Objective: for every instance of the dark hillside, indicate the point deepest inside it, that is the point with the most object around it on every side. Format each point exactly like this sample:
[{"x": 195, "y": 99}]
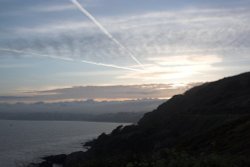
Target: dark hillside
[{"x": 227, "y": 96}]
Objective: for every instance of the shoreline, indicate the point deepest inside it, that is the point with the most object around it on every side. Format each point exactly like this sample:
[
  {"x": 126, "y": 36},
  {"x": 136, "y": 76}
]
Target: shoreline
[{"x": 59, "y": 160}]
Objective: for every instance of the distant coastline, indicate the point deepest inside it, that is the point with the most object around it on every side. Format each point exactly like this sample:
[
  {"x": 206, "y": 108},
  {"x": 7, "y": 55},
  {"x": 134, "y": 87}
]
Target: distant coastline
[{"x": 122, "y": 117}]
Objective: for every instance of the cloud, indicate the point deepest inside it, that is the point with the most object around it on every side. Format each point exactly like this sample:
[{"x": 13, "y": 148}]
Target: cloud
[
  {"x": 102, "y": 92},
  {"x": 186, "y": 60},
  {"x": 156, "y": 73},
  {"x": 53, "y": 8},
  {"x": 207, "y": 31},
  {"x": 57, "y": 27},
  {"x": 18, "y": 8},
  {"x": 170, "y": 44},
  {"x": 175, "y": 68}
]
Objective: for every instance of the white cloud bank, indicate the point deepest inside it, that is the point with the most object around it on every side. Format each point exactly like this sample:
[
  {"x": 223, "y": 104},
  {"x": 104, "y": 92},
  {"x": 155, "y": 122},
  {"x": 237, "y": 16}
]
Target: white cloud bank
[{"x": 113, "y": 92}]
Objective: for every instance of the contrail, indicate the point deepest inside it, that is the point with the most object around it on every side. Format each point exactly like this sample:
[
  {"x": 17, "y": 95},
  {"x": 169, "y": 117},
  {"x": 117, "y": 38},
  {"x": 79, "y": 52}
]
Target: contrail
[
  {"x": 111, "y": 65},
  {"x": 36, "y": 54},
  {"x": 105, "y": 31},
  {"x": 70, "y": 59}
]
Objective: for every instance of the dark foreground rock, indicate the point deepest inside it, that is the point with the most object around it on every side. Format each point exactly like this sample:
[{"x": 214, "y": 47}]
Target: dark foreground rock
[
  {"x": 74, "y": 159},
  {"x": 57, "y": 159},
  {"x": 70, "y": 160}
]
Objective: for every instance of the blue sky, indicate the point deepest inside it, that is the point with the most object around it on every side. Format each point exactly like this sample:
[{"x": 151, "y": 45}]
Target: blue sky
[{"x": 51, "y": 44}]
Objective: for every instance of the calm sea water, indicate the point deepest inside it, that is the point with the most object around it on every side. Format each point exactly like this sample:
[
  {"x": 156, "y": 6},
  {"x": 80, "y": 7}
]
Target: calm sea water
[{"x": 26, "y": 141}]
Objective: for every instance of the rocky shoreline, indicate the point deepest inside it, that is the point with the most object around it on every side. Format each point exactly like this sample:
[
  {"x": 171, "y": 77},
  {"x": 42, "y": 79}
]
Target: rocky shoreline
[{"x": 60, "y": 160}]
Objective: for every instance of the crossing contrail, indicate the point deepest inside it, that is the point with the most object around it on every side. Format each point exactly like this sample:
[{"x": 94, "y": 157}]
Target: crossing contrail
[
  {"x": 105, "y": 31},
  {"x": 70, "y": 59},
  {"x": 35, "y": 54},
  {"x": 111, "y": 65}
]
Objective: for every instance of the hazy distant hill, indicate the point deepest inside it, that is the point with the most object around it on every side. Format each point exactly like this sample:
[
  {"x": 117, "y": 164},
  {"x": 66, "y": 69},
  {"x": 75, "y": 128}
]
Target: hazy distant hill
[
  {"x": 90, "y": 110},
  {"x": 206, "y": 126}
]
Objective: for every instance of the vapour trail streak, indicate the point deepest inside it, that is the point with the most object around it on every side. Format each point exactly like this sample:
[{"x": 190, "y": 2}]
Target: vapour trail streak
[
  {"x": 105, "y": 31},
  {"x": 35, "y": 54},
  {"x": 70, "y": 59}
]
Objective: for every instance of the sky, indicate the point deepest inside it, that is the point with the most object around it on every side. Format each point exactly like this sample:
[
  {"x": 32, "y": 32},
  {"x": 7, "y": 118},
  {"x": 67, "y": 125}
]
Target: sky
[{"x": 51, "y": 45}]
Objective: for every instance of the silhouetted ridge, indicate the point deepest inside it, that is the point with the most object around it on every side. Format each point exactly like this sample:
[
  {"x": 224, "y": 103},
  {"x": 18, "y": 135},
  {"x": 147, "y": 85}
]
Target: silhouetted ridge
[
  {"x": 227, "y": 96},
  {"x": 197, "y": 111}
]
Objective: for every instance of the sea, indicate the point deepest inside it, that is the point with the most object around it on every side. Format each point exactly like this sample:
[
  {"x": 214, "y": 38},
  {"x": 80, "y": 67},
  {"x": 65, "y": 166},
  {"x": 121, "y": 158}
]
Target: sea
[{"x": 22, "y": 142}]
